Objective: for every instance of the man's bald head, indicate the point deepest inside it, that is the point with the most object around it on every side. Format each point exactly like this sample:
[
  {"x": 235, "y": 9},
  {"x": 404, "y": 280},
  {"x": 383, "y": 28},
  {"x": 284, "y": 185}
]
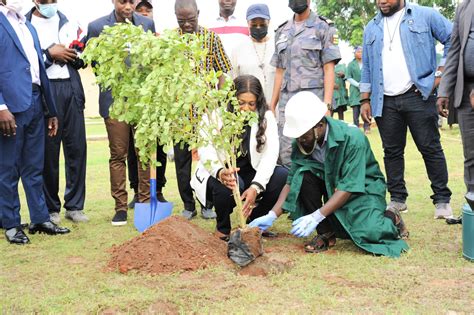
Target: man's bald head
[
  {"x": 185, "y": 4},
  {"x": 187, "y": 14}
]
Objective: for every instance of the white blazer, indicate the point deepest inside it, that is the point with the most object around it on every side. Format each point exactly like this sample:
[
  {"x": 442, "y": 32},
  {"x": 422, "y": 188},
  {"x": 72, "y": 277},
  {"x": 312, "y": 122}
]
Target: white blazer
[{"x": 263, "y": 162}]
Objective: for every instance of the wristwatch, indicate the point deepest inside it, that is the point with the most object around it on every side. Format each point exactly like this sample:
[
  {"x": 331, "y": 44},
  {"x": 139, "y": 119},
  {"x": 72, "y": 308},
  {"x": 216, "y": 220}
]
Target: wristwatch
[
  {"x": 438, "y": 74},
  {"x": 257, "y": 188}
]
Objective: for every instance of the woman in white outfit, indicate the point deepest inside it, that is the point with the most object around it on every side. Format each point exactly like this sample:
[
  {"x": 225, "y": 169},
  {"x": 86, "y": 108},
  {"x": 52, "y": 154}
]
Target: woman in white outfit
[{"x": 260, "y": 178}]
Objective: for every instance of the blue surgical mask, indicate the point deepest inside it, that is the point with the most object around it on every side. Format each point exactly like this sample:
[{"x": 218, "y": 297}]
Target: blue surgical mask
[{"x": 48, "y": 10}]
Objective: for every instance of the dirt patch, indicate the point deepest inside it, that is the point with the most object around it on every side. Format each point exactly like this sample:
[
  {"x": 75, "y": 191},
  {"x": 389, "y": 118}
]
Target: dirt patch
[
  {"x": 172, "y": 245},
  {"x": 269, "y": 264},
  {"x": 162, "y": 307}
]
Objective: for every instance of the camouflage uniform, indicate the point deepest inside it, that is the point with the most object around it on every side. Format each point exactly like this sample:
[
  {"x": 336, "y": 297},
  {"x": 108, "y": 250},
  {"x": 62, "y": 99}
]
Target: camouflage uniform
[{"x": 302, "y": 54}]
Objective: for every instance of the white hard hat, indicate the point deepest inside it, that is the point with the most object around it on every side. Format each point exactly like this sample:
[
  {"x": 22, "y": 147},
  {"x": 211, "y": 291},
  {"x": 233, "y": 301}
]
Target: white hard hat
[{"x": 303, "y": 111}]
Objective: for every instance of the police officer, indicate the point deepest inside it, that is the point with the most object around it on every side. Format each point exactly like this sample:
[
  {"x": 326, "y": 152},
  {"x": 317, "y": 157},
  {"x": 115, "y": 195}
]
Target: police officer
[{"x": 306, "y": 53}]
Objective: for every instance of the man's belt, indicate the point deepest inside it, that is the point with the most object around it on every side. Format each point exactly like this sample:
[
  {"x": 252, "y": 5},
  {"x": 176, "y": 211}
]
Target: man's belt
[{"x": 35, "y": 88}]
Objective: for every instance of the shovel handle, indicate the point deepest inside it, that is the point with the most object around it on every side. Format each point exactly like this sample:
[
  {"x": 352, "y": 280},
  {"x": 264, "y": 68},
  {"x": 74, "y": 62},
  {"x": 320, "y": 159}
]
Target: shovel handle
[{"x": 153, "y": 168}]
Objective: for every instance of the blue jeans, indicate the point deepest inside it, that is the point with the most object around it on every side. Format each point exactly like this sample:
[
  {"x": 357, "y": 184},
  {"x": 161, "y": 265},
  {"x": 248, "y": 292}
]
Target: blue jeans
[{"x": 421, "y": 117}]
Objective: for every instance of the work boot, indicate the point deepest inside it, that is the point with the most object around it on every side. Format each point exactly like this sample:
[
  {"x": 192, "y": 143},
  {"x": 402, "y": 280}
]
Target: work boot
[
  {"x": 208, "y": 214},
  {"x": 77, "y": 216},
  {"x": 399, "y": 206},
  {"x": 54, "y": 217},
  {"x": 188, "y": 214},
  {"x": 443, "y": 211}
]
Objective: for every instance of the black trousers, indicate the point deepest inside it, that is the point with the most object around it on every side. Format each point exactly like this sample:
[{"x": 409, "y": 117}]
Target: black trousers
[
  {"x": 410, "y": 111},
  {"x": 132, "y": 165},
  {"x": 224, "y": 202},
  {"x": 312, "y": 194},
  {"x": 72, "y": 135},
  {"x": 183, "y": 159}
]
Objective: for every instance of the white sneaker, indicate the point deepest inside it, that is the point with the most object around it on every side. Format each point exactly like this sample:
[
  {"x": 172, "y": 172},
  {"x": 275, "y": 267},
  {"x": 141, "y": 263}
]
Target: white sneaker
[{"x": 443, "y": 211}]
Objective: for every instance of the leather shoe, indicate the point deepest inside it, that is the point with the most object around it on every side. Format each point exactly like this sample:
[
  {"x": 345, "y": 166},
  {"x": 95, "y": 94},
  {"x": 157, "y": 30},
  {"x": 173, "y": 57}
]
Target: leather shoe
[
  {"x": 16, "y": 236},
  {"x": 48, "y": 228}
]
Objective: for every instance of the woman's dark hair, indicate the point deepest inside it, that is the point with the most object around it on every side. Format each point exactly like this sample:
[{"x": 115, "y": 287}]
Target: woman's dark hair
[{"x": 250, "y": 84}]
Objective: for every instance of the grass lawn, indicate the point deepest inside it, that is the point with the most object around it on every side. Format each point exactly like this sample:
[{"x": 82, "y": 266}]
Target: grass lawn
[{"x": 65, "y": 274}]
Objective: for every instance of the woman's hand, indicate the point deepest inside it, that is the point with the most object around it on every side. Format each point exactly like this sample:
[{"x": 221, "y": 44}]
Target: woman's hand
[
  {"x": 227, "y": 177},
  {"x": 250, "y": 195}
]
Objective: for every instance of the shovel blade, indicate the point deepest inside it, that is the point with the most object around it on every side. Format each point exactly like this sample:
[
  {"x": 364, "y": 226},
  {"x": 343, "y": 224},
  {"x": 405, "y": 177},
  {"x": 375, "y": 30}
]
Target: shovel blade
[{"x": 142, "y": 216}]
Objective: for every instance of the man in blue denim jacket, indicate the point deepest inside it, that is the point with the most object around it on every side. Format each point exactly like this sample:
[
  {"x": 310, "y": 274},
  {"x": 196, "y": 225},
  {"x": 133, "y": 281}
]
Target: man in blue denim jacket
[{"x": 399, "y": 79}]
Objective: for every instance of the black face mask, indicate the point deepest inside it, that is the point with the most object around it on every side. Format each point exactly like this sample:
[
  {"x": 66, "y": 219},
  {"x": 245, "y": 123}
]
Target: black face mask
[
  {"x": 259, "y": 33},
  {"x": 298, "y": 6}
]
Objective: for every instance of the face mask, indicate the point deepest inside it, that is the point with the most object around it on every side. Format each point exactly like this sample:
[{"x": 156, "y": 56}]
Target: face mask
[
  {"x": 15, "y": 5},
  {"x": 298, "y": 6},
  {"x": 48, "y": 10},
  {"x": 259, "y": 33}
]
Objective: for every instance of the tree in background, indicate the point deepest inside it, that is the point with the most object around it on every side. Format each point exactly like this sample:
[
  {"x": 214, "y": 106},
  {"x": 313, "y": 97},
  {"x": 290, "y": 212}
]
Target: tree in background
[{"x": 351, "y": 16}]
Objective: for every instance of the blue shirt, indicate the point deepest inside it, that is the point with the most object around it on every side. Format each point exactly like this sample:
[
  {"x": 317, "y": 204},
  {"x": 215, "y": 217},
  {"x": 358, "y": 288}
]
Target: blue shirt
[{"x": 419, "y": 30}]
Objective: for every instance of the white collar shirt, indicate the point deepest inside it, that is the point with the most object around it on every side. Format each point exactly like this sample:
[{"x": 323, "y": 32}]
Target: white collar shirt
[{"x": 18, "y": 23}]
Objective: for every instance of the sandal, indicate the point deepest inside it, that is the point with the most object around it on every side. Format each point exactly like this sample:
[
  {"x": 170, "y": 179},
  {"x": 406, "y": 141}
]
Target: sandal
[
  {"x": 399, "y": 223},
  {"x": 315, "y": 246}
]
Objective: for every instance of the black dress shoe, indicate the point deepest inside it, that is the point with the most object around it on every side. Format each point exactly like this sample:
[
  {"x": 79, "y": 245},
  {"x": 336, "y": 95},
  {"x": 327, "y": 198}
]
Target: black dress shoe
[
  {"x": 48, "y": 228},
  {"x": 16, "y": 236}
]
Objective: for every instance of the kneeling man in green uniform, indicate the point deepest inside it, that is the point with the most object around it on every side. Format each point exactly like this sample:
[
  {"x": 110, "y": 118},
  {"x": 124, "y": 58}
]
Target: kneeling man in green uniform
[{"x": 335, "y": 185}]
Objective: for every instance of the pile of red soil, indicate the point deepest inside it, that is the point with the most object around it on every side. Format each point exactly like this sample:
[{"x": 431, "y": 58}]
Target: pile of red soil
[{"x": 172, "y": 245}]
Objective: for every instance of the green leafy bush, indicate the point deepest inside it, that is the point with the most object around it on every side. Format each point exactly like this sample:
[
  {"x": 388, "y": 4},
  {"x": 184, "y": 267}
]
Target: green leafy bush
[{"x": 159, "y": 87}]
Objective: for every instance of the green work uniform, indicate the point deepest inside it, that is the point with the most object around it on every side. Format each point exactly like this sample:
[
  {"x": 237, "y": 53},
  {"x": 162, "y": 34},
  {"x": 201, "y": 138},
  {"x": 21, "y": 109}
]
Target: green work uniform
[
  {"x": 354, "y": 72},
  {"x": 340, "y": 95},
  {"x": 349, "y": 166}
]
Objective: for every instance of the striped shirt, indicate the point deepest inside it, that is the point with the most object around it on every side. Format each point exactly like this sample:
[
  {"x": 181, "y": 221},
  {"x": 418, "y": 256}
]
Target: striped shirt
[{"x": 216, "y": 59}]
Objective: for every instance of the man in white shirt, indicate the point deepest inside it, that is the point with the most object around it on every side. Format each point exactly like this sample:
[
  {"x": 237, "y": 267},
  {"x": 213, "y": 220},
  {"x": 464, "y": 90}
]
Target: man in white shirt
[
  {"x": 230, "y": 28},
  {"x": 400, "y": 75},
  {"x": 56, "y": 34}
]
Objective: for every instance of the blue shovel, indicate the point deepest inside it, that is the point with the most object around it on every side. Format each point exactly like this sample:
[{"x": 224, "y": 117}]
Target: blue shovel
[{"x": 148, "y": 214}]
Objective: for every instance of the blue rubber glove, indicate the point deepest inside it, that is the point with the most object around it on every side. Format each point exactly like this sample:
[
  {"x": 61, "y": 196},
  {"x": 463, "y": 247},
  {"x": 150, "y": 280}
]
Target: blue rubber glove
[
  {"x": 304, "y": 226},
  {"x": 265, "y": 222}
]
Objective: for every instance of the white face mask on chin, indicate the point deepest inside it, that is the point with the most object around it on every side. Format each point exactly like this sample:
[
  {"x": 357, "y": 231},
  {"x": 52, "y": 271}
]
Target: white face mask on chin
[{"x": 15, "y": 5}]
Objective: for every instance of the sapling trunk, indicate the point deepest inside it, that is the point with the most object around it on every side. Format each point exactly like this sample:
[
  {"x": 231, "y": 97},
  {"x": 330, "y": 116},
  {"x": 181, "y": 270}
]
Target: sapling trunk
[{"x": 239, "y": 205}]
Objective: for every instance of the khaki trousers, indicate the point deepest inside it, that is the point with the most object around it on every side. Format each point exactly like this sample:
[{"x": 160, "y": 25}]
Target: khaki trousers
[{"x": 119, "y": 135}]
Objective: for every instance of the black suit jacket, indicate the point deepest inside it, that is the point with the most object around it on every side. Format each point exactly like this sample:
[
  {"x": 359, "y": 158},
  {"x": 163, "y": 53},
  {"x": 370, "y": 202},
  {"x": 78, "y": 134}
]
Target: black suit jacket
[
  {"x": 94, "y": 29},
  {"x": 452, "y": 82}
]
